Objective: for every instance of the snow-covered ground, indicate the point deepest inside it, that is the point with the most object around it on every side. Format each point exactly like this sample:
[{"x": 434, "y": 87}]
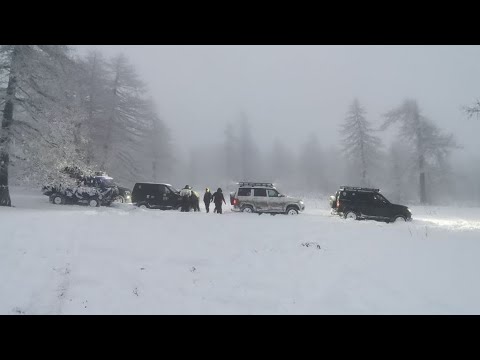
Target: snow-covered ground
[{"x": 125, "y": 260}]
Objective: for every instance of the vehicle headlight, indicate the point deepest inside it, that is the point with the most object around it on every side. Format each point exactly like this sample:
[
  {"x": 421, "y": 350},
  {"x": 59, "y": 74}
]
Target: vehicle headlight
[
  {"x": 410, "y": 211},
  {"x": 301, "y": 202}
]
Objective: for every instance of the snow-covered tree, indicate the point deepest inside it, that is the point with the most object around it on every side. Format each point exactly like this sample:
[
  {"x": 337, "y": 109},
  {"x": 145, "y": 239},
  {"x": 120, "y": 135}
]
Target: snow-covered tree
[
  {"x": 359, "y": 144},
  {"x": 37, "y": 104},
  {"x": 427, "y": 141}
]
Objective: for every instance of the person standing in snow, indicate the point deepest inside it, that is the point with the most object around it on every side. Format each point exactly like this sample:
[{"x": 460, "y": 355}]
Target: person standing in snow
[
  {"x": 186, "y": 194},
  {"x": 207, "y": 199},
  {"x": 195, "y": 201},
  {"x": 217, "y": 199}
]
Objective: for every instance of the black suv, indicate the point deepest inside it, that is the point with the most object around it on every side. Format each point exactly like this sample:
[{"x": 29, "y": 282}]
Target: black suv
[
  {"x": 156, "y": 196},
  {"x": 365, "y": 203}
]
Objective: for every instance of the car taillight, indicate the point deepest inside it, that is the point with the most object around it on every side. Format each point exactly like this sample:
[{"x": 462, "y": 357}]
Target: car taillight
[
  {"x": 338, "y": 203},
  {"x": 235, "y": 201}
]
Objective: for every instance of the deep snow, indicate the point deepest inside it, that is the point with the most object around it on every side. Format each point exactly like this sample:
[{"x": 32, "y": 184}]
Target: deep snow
[{"x": 124, "y": 260}]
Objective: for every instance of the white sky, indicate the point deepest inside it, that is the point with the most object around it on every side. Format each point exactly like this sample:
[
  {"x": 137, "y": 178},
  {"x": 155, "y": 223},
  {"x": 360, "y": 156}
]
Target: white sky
[{"x": 292, "y": 91}]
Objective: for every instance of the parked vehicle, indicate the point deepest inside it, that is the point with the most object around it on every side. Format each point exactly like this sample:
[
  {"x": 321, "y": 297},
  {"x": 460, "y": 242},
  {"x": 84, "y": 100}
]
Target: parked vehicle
[
  {"x": 76, "y": 196},
  {"x": 156, "y": 196},
  {"x": 69, "y": 195},
  {"x": 253, "y": 197},
  {"x": 123, "y": 194},
  {"x": 366, "y": 203},
  {"x": 105, "y": 186}
]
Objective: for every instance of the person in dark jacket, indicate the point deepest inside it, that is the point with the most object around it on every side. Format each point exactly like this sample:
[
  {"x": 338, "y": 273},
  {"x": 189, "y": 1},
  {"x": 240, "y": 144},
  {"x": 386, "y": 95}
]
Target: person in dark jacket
[
  {"x": 186, "y": 194},
  {"x": 217, "y": 199},
  {"x": 207, "y": 199},
  {"x": 195, "y": 201}
]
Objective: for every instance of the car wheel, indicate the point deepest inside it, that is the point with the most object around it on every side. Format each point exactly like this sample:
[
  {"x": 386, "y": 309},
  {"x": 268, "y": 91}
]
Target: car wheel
[
  {"x": 119, "y": 199},
  {"x": 351, "y": 215},
  {"x": 58, "y": 200},
  {"x": 292, "y": 211},
  {"x": 94, "y": 203},
  {"x": 143, "y": 206},
  {"x": 247, "y": 209},
  {"x": 399, "y": 219}
]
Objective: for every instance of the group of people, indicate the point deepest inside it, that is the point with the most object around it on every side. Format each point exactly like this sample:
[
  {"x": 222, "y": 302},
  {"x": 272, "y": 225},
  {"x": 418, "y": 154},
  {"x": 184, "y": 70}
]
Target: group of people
[{"x": 191, "y": 199}]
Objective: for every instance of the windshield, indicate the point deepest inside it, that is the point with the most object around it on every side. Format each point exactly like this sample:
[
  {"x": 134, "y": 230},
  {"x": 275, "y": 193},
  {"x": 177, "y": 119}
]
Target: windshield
[
  {"x": 106, "y": 181},
  {"x": 381, "y": 198},
  {"x": 173, "y": 189}
]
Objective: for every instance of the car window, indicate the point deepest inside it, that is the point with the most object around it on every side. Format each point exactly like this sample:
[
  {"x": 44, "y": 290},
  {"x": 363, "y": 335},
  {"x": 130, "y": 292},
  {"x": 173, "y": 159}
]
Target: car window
[
  {"x": 345, "y": 195},
  {"x": 380, "y": 198},
  {"x": 272, "y": 193},
  {"x": 260, "y": 192},
  {"x": 364, "y": 196},
  {"x": 167, "y": 191},
  {"x": 244, "y": 192}
]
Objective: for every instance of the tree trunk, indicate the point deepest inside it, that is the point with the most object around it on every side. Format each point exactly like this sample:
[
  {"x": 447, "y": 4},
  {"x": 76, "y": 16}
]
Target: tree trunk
[
  {"x": 5, "y": 138},
  {"x": 110, "y": 125},
  {"x": 423, "y": 191}
]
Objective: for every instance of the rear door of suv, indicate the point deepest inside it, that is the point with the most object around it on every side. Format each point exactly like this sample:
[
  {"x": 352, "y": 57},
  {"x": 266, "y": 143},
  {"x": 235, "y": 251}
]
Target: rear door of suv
[
  {"x": 244, "y": 196},
  {"x": 154, "y": 195},
  {"x": 170, "y": 200}
]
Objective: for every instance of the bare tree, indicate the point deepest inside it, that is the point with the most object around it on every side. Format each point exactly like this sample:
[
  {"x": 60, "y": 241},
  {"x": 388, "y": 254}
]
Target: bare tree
[
  {"x": 280, "y": 163},
  {"x": 310, "y": 165},
  {"x": 359, "y": 144},
  {"x": 157, "y": 150},
  {"x": 425, "y": 138},
  {"x": 247, "y": 149},
  {"x": 473, "y": 110},
  {"x": 124, "y": 125},
  {"x": 230, "y": 147},
  {"x": 96, "y": 98}
]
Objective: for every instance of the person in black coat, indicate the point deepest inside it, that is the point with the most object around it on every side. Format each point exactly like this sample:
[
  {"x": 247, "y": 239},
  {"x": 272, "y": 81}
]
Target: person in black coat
[
  {"x": 195, "y": 201},
  {"x": 217, "y": 199},
  {"x": 207, "y": 199}
]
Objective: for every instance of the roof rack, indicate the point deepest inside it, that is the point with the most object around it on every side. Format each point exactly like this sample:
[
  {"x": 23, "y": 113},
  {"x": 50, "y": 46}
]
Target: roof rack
[
  {"x": 247, "y": 183},
  {"x": 358, "y": 188}
]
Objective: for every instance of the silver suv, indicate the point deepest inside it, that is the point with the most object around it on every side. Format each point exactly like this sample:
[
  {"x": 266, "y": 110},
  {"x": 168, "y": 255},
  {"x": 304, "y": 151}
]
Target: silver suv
[{"x": 261, "y": 198}]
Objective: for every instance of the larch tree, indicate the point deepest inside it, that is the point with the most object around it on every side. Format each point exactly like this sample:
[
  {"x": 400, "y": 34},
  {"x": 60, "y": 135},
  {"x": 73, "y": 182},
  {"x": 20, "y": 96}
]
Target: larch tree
[
  {"x": 359, "y": 144},
  {"x": 425, "y": 138}
]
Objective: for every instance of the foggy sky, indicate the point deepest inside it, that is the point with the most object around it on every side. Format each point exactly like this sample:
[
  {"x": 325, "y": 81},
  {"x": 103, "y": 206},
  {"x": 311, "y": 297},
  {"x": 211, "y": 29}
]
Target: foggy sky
[{"x": 290, "y": 92}]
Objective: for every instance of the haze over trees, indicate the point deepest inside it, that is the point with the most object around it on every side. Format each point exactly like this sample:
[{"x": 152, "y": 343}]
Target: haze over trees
[{"x": 59, "y": 108}]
